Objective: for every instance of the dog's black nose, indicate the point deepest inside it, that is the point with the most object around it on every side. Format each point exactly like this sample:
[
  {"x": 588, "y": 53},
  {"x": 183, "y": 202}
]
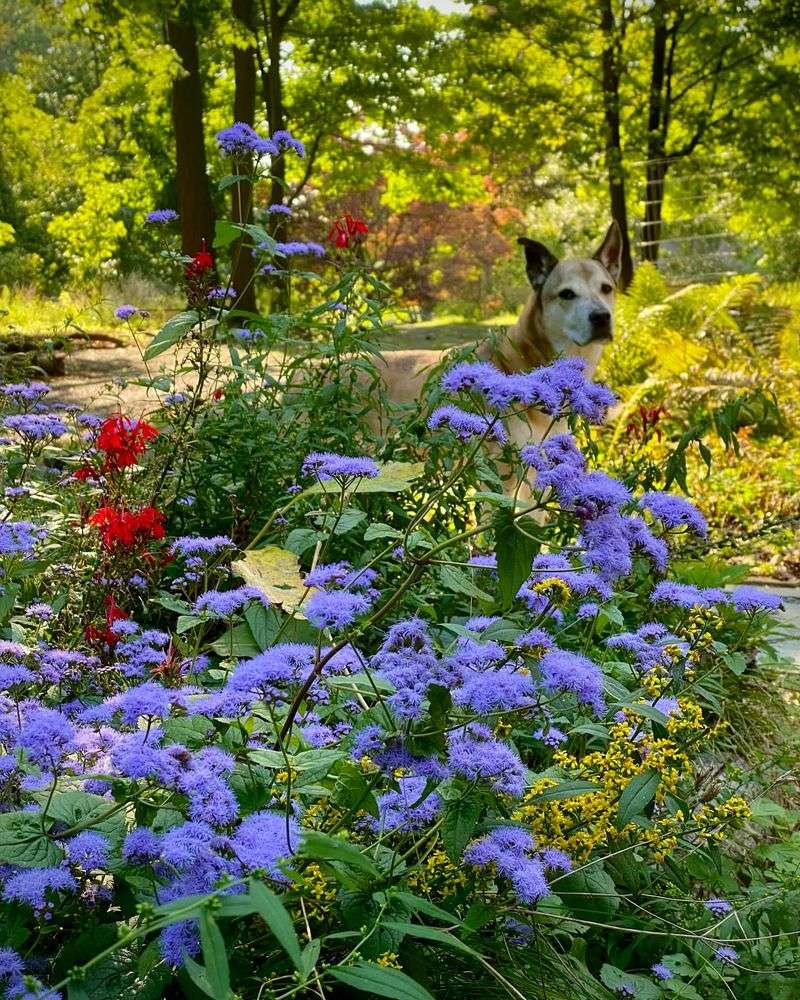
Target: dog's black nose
[{"x": 600, "y": 322}]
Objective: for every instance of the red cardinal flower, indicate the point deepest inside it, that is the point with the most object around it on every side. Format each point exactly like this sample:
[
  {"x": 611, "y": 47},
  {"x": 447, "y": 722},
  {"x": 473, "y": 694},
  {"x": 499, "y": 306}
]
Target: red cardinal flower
[
  {"x": 128, "y": 529},
  {"x": 202, "y": 262},
  {"x": 122, "y": 439},
  {"x": 114, "y": 613},
  {"x": 347, "y": 230}
]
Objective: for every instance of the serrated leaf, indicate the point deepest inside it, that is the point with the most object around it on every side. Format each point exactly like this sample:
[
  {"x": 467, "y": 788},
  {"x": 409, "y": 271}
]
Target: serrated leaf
[
  {"x": 515, "y": 552},
  {"x": 459, "y": 818},
  {"x": 23, "y": 843},
  {"x": 380, "y": 981},
  {"x": 454, "y": 579},
  {"x": 275, "y": 572},
  {"x": 589, "y": 894},
  {"x": 171, "y": 333},
  {"x": 636, "y": 796},
  {"x": 300, "y": 540},
  {"x": 237, "y": 642},
  {"x": 276, "y": 917}
]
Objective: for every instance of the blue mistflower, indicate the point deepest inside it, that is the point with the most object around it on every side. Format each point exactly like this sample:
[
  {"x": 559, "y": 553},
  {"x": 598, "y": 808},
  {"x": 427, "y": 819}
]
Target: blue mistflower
[
  {"x": 565, "y": 671},
  {"x": 34, "y": 886},
  {"x": 335, "y": 608},
  {"x": 466, "y": 425},
  {"x": 327, "y": 465},
  {"x": 660, "y": 971},
  {"x": 674, "y": 511},
  {"x": 161, "y": 216},
  {"x": 263, "y": 838},
  {"x": 718, "y": 907},
  {"x": 509, "y": 849},
  {"x": 726, "y": 954},
  {"x": 88, "y": 850},
  {"x": 475, "y": 753},
  {"x": 242, "y": 140},
  {"x": 35, "y": 426},
  {"x": 754, "y": 599}
]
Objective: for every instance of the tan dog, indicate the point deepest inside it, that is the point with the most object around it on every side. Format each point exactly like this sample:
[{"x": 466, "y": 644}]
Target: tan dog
[{"x": 569, "y": 313}]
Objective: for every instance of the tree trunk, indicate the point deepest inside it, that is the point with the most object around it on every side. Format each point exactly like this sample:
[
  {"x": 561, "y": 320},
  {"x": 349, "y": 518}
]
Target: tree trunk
[
  {"x": 244, "y": 105},
  {"x": 276, "y": 117},
  {"x": 656, "y": 167},
  {"x": 194, "y": 194},
  {"x": 614, "y": 157}
]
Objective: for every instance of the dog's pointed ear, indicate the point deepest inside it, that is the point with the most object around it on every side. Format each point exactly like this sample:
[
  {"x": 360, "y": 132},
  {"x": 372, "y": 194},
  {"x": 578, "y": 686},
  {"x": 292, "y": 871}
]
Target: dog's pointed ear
[
  {"x": 539, "y": 262},
  {"x": 609, "y": 252}
]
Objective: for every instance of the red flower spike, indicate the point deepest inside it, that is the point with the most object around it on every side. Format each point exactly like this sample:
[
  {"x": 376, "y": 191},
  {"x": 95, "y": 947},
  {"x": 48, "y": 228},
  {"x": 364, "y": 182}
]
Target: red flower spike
[
  {"x": 122, "y": 439},
  {"x": 128, "y": 529},
  {"x": 347, "y": 230}
]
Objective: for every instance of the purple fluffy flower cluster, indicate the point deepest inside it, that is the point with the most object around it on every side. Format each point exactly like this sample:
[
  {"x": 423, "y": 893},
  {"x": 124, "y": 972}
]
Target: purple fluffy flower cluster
[
  {"x": 511, "y": 851},
  {"x": 344, "y": 594},
  {"x": 648, "y": 645},
  {"x": 467, "y": 425},
  {"x": 161, "y": 216},
  {"x": 224, "y": 603},
  {"x": 20, "y": 537},
  {"x": 242, "y": 140},
  {"x": 35, "y": 426},
  {"x": 475, "y": 753},
  {"x": 555, "y": 389},
  {"x": 327, "y": 465},
  {"x": 566, "y": 672}
]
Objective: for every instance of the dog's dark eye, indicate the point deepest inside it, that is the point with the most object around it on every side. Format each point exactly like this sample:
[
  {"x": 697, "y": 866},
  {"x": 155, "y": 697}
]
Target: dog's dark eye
[
  {"x": 606, "y": 289},
  {"x": 566, "y": 293}
]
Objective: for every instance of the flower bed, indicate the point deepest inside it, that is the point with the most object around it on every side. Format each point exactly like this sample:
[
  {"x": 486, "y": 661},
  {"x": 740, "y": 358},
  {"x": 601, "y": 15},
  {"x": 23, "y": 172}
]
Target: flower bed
[{"x": 389, "y": 731}]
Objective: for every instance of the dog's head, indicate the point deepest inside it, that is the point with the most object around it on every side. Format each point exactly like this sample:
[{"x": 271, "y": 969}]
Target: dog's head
[{"x": 575, "y": 296}]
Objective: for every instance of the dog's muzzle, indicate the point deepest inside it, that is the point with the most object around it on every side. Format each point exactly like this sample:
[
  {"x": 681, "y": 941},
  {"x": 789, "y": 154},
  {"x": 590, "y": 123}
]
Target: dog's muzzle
[{"x": 600, "y": 325}]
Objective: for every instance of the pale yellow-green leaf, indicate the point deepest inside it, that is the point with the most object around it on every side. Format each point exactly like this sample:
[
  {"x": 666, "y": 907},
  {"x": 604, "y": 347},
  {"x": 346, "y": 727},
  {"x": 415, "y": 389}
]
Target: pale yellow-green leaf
[
  {"x": 394, "y": 477},
  {"x": 275, "y": 572}
]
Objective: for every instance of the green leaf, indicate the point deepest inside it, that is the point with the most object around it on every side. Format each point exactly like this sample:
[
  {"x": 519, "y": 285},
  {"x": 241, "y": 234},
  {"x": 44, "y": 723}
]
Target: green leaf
[
  {"x": 459, "y": 819},
  {"x": 225, "y": 233},
  {"x": 589, "y": 894},
  {"x": 418, "y": 904},
  {"x": 198, "y": 976},
  {"x": 171, "y": 333},
  {"x": 566, "y": 790},
  {"x": 352, "y": 791},
  {"x": 23, "y": 843},
  {"x": 430, "y": 934},
  {"x": 380, "y": 530},
  {"x": 215, "y": 957},
  {"x": 382, "y": 982},
  {"x": 394, "y": 477},
  {"x": 227, "y": 181},
  {"x": 264, "y": 623},
  {"x": 237, "y": 641},
  {"x": 455, "y": 579},
  {"x": 515, "y": 552},
  {"x": 320, "y": 845},
  {"x": 636, "y": 796},
  {"x": 275, "y": 916},
  {"x": 735, "y": 662},
  {"x": 614, "y": 978},
  {"x": 300, "y": 540},
  {"x": 309, "y": 957}
]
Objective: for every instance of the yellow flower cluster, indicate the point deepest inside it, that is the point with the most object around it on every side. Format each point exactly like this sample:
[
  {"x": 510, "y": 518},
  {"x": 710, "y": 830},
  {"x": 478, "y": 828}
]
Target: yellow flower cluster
[
  {"x": 390, "y": 960},
  {"x": 584, "y": 823},
  {"x": 557, "y": 590},
  {"x": 437, "y": 874},
  {"x": 316, "y": 888}
]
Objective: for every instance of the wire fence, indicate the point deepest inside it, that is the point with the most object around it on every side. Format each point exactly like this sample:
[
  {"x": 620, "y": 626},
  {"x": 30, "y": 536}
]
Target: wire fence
[{"x": 689, "y": 245}]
